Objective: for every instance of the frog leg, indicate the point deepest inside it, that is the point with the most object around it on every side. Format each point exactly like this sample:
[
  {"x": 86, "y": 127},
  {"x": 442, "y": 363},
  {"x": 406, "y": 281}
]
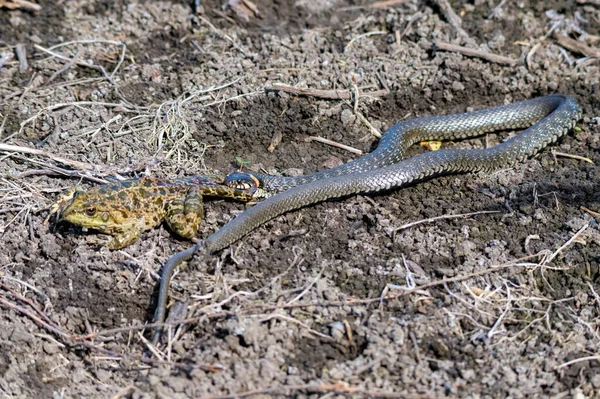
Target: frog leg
[
  {"x": 184, "y": 215},
  {"x": 124, "y": 238}
]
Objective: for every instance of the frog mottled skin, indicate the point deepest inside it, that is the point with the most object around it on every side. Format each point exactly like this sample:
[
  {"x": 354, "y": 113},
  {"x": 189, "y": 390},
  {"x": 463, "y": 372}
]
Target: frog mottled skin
[{"x": 125, "y": 209}]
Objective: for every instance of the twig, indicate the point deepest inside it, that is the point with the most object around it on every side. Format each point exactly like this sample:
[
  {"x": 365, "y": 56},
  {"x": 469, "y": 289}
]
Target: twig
[
  {"x": 218, "y": 32},
  {"x": 298, "y": 322},
  {"x": 578, "y": 360},
  {"x": 496, "y": 10},
  {"x": 387, "y": 3},
  {"x": 577, "y": 46},
  {"x": 492, "y": 331},
  {"x": 406, "y": 226},
  {"x": 22, "y": 57},
  {"x": 33, "y": 151},
  {"x": 499, "y": 59},
  {"x": 308, "y": 287},
  {"x": 565, "y": 245},
  {"x": 28, "y": 5},
  {"x": 333, "y": 143},
  {"x": 563, "y": 154},
  {"x": 339, "y": 388},
  {"x": 334, "y": 94},
  {"x": 594, "y": 214},
  {"x": 364, "y": 120},
  {"x": 54, "y": 107},
  {"x": 453, "y": 19},
  {"x": 35, "y": 318},
  {"x": 62, "y": 57},
  {"x": 596, "y": 296},
  {"x": 67, "y": 66},
  {"x": 530, "y": 54},
  {"x": 378, "y": 32}
]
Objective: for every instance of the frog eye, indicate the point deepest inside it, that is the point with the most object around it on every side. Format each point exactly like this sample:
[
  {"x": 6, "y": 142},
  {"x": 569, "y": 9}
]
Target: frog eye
[{"x": 90, "y": 211}]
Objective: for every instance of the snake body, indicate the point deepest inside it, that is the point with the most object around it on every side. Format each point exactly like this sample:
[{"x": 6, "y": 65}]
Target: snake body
[
  {"x": 549, "y": 118},
  {"x": 398, "y": 138}
]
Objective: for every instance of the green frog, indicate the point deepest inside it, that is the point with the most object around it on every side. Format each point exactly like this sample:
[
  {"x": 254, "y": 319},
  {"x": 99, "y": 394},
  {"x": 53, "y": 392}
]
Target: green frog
[{"x": 127, "y": 208}]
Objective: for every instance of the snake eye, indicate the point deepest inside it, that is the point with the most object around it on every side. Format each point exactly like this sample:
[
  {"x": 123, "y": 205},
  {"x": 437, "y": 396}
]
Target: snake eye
[{"x": 90, "y": 211}]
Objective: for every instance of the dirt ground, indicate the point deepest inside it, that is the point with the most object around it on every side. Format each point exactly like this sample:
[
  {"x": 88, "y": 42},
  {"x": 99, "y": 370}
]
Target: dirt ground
[{"x": 506, "y": 304}]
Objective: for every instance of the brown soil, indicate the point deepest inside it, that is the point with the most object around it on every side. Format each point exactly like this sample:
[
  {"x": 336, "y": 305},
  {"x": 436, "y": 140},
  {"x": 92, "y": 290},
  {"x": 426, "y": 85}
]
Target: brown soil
[{"x": 505, "y": 333}]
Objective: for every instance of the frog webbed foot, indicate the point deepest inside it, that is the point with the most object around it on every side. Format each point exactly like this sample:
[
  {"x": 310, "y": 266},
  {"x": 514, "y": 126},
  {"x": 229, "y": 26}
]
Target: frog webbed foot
[{"x": 124, "y": 239}]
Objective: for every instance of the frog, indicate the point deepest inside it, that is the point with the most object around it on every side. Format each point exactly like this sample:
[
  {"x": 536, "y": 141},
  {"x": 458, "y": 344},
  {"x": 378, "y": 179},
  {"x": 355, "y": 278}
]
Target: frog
[{"x": 125, "y": 209}]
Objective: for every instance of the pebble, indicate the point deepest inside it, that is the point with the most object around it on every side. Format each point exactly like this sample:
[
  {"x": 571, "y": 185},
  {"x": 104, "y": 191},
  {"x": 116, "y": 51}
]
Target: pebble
[
  {"x": 347, "y": 117},
  {"x": 220, "y": 127}
]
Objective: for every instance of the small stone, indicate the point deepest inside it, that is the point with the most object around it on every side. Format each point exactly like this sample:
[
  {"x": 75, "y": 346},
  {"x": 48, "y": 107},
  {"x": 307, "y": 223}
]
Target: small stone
[
  {"x": 337, "y": 330},
  {"x": 103, "y": 375},
  {"x": 397, "y": 335},
  {"x": 332, "y": 162},
  {"x": 153, "y": 380},
  {"x": 50, "y": 348},
  {"x": 220, "y": 127},
  {"x": 458, "y": 86},
  {"x": 247, "y": 64},
  {"x": 347, "y": 117},
  {"x": 293, "y": 172}
]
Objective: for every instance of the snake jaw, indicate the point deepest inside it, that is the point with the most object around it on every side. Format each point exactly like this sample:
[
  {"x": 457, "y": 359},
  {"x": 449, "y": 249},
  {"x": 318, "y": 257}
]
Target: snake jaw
[{"x": 242, "y": 181}]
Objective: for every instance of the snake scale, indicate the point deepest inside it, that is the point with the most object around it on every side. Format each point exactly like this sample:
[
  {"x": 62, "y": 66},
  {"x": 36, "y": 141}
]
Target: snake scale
[{"x": 547, "y": 118}]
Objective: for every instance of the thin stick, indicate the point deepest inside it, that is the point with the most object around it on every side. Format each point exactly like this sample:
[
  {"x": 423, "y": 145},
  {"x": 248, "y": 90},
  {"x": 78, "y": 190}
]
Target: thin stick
[
  {"x": 308, "y": 287},
  {"x": 578, "y": 360},
  {"x": 62, "y": 57},
  {"x": 499, "y": 59},
  {"x": 22, "y": 57},
  {"x": 364, "y": 120},
  {"x": 577, "y": 46},
  {"x": 34, "y": 151},
  {"x": 87, "y": 41},
  {"x": 596, "y": 297},
  {"x": 595, "y": 214},
  {"x": 334, "y": 144},
  {"x": 33, "y": 317},
  {"x": 377, "y": 32},
  {"x": 530, "y": 54},
  {"x": 566, "y": 244},
  {"x": 121, "y": 59},
  {"x": 66, "y": 67},
  {"x": 563, "y": 154},
  {"x": 338, "y": 387},
  {"x": 298, "y": 322},
  {"x": 218, "y": 32},
  {"x": 28, "y": 5},
  {"x": 462, "y": 215},
  {"x": 387, "y": 3},
  {"x": 334, "y": 94},
  {"x": 453, "y": 19}
]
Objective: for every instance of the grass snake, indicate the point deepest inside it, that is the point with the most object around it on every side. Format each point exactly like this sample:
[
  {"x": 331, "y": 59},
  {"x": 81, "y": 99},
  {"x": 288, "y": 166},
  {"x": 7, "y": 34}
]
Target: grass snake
[{"x": 548, "y": 119}]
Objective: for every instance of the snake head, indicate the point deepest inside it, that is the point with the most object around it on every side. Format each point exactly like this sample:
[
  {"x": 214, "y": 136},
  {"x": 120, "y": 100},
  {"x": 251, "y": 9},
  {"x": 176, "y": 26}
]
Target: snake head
[{"x": 242, "y": 181}]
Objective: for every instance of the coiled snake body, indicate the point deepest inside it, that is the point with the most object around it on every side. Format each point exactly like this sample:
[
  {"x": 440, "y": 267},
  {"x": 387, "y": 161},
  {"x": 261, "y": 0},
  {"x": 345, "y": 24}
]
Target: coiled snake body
[{"x": 550, "y": 118}]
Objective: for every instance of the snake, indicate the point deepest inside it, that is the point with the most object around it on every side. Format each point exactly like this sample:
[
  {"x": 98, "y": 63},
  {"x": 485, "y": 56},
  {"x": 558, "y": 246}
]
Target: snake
[{"x": 545, "y": 120}]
